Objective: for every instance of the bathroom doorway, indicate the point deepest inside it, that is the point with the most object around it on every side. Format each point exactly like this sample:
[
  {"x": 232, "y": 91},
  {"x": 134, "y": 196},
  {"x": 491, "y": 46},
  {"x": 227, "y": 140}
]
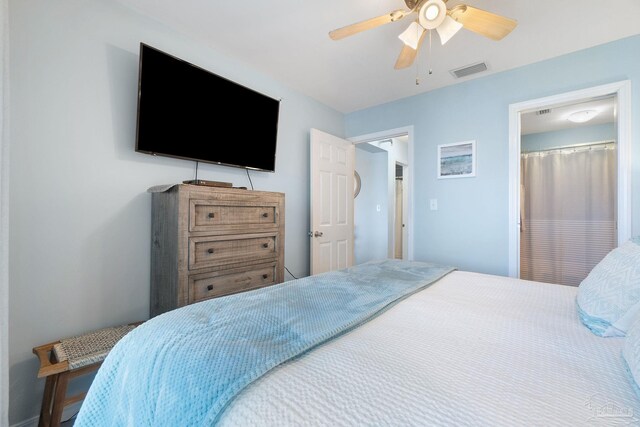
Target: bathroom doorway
[
  {"x": 568, "y": 190},
  {"x": 620, "y": 93}
]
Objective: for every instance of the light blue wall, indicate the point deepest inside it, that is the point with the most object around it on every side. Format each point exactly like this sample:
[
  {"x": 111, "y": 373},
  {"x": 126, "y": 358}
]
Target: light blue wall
[
  {"x": 79, "y": 213},
  {"x": 371, "y": 225},
  {"x": 470, "y": 229},
  {"x": 80, "y": 216},
  {"x": 561, "y": 138}
]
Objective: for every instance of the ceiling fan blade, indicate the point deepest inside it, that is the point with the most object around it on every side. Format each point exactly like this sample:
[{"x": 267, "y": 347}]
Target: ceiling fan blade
[
  {"x": 369, "y": 24},
  {"x": 408, "y": 55},
  {"x": 482, "y": 22}
]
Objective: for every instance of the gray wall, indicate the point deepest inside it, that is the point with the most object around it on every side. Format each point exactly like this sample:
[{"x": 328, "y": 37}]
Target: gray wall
[
  {"x": 371, "y": 230},
  {"x": 398, "y": 152},
  {"x": 80, "y": 214},
  {"x": 470, "y": 227}
]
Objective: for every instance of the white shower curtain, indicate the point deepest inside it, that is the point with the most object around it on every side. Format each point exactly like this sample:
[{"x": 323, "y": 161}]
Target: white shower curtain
[
  {"x": 568, "y": 212},
  {"x": 4, "y": 216}
]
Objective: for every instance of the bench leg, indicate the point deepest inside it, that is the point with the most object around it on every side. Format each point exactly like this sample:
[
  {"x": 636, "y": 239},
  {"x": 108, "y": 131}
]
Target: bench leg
[
  {"x": 47, "y": 397},
  {"x": 58, "y": 398}
]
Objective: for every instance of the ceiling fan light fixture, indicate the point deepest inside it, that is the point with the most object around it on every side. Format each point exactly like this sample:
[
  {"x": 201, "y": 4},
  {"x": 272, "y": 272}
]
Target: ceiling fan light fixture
[
  {"x": 411, "y": 36},
  {"x": 582, "y": 116},
  {"x": 448, "y": 29},
  {"x": 432, "y": 13}
]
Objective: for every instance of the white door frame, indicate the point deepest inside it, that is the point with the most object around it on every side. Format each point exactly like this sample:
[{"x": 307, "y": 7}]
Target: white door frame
[
  {"x": 392, "y": 133},
  {"x": 405, "y": 210},
  {"x": 622, "y": 90},
  {"x": 4, "y": 213}
]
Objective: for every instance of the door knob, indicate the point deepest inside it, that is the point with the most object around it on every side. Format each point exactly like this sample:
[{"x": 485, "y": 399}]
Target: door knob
[{"x": 317, "y": 234}]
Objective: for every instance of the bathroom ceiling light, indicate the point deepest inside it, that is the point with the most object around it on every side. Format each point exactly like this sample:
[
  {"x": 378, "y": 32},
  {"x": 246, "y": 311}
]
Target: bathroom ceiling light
[{"x": 582, "y": 116}]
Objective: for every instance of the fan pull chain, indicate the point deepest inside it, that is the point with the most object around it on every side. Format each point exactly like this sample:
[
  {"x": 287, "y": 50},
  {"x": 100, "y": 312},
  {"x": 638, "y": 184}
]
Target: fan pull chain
[
  {"x": 429, "y": 59},
  {"x": 418, "y": 62}
]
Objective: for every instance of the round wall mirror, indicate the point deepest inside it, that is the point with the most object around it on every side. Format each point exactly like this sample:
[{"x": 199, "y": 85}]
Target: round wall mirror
[{"x": 356, "y": 184}]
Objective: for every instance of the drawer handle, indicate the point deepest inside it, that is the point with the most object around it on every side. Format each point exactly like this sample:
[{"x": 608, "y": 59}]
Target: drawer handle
[
  {"x": 212, "y": 215},
  {"x": 264, "y": 276},
  {"x": 265, "y": 245},
  {"x": 264, "y": 215},
  {"x": 210, "y": 250},
  {"x": 210, "y": 287}
]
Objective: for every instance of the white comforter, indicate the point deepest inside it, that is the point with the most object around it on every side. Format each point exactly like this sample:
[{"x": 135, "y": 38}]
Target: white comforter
[{"x": 472, "y": 349}]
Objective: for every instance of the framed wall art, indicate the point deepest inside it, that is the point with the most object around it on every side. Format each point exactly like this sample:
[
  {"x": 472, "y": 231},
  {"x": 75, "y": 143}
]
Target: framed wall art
[{"x": 457, "y": 160}]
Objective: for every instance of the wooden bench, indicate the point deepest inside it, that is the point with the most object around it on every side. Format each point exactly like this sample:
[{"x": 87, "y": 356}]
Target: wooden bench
[{"x": 69, "y": 358}]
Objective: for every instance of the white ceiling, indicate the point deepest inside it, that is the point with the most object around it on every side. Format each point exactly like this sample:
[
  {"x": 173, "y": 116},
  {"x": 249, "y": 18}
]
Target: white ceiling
[{"x": 288, "y": 40}]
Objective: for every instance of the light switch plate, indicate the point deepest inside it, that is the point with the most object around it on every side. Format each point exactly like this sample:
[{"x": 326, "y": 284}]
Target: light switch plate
[{"x": 433, "y": 204}]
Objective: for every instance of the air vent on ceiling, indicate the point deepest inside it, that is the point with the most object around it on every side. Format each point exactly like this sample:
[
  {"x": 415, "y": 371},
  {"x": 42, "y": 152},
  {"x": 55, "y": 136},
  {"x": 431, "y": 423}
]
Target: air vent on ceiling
[
  {"x": 543, "y": 112},
  {"x": 468, "y": 70}
]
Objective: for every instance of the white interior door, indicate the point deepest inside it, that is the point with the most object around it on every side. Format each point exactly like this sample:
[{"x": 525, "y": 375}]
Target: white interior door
[{"x": 332, "y": 166}]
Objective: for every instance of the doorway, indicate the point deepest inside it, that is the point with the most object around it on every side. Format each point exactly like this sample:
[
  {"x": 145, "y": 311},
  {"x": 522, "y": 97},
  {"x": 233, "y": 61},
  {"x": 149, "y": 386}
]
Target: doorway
[
  {"x": 621, "y": 94},
  {"x": 382, "y": 208},
  {"x": 568, "y": 189}
]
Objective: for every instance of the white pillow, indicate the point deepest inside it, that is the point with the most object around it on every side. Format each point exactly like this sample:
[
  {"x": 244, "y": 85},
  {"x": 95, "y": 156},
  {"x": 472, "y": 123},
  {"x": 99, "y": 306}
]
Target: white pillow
[
  {"x": 609, "y": 297},
  {"x": 631, "y": 354}
]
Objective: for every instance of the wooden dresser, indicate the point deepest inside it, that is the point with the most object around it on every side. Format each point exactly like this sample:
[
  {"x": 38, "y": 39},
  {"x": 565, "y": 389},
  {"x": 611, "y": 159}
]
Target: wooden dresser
[{"x": 208, "y": 242}]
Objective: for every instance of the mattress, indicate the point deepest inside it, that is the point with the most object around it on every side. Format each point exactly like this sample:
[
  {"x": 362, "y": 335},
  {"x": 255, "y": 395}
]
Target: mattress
[{"x": 472, "y": 349}]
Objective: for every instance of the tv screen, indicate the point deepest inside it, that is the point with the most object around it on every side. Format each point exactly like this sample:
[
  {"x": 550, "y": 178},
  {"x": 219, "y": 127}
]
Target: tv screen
[{"x": 187, "y": 112}]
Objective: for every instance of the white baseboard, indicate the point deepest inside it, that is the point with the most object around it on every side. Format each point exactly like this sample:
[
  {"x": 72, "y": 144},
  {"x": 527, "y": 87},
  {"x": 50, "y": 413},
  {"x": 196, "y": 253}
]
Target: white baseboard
[
  {"x": 68, "y": 412},
  {"x": 31, "y": 422}
]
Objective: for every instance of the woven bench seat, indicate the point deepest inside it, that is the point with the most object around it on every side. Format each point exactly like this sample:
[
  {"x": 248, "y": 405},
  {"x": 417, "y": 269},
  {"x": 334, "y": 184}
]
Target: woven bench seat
[{"x": 68, "y": 358}]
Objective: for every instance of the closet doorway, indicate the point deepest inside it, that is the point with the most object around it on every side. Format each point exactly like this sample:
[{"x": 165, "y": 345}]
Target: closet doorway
[
  {"x": 568, "y": 190},
  {"x": 569, "y": 187}
]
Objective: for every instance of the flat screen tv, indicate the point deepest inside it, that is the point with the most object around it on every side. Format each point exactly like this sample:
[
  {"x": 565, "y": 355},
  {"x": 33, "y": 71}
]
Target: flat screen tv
[{"x": 187, "y": 112}]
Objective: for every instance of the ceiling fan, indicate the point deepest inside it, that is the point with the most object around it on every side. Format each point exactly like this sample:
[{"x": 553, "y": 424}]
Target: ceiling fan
[{"x": 433, "y": 15}]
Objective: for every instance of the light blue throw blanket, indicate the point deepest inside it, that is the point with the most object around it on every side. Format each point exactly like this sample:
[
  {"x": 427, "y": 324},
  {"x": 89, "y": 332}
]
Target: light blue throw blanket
[{"x": 182, "y": 368}]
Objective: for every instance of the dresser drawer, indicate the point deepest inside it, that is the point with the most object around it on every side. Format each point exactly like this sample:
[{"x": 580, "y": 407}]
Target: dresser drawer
[
  {"x": 219, "y": 283},
  {"x": 209, "y": 251},
  {"x": 208, "y": 215}
]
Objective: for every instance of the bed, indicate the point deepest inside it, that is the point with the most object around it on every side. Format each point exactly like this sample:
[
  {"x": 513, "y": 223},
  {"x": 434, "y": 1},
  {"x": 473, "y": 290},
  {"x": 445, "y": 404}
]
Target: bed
[{"x": 451, "y": 348}]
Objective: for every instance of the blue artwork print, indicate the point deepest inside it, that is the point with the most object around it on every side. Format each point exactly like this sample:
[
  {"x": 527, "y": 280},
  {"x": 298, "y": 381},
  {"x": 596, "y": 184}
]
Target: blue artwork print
[{"x": 456, "y": 160}]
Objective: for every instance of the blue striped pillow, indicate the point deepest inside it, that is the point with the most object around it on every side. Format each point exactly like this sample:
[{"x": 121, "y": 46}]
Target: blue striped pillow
[{"x": 609, "y": 297}]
